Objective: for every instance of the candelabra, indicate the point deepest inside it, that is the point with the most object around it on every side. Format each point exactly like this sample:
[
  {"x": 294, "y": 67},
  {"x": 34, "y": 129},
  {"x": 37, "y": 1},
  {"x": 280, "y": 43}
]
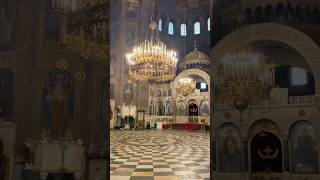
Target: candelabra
[{"x": 186, "y": 86}]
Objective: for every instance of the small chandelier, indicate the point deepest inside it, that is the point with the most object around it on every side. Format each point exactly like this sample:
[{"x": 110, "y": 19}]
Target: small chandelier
[
  {"x": 186, "y": 86},
  {"x": 151, "y": 60}
]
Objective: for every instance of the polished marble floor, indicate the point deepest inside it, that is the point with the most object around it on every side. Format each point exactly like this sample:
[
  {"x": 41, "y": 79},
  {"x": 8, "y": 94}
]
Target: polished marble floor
[{"x": 159, "y": 155}]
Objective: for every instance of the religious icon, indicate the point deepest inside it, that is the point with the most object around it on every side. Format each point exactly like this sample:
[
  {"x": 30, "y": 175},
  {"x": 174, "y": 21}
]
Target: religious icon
[
  {"x": 132, "y": 8},
  {"x": 182, "y": 109},
  {"x": 161, "y": 109},
  {"x": 304, "y": 151},
  {"x": 58, "y": 102},
  {"x": 169, "y": 111},
  {"x": 230, "y": 152},
  {"x": 204, "y": 108},
  {"x": 128, "y": 93}
]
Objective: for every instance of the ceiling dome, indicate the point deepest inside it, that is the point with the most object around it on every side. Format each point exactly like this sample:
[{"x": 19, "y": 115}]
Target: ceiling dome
[
  {"x": 196, "y": 56},
  {"x": 195, "y": 60}
]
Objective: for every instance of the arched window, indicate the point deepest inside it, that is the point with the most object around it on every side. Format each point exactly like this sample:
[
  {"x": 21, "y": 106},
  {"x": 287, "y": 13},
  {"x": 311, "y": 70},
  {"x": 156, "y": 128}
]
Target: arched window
[
  {"x": 197, "y": 28},
  {"x": 160, "y": 25},
  {"x": 183, "y": 29},
  {"x": 170, "y": 28},
  {"x": 209, "y": 24}
]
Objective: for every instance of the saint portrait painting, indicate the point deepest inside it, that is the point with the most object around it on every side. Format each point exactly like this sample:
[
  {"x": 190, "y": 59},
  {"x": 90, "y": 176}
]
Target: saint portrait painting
[{"x": 58, "y": 102}]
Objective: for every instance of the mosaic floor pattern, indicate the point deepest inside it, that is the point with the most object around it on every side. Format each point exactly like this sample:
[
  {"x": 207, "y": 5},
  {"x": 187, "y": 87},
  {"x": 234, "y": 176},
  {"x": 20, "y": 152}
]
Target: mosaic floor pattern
[{"x": 159, "y": 155}]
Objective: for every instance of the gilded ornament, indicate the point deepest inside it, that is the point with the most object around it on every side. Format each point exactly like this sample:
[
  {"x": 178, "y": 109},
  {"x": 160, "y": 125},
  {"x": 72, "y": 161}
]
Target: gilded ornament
[
  {"x": 80, "y": 76},
  {"x": 62, "y": 64}
]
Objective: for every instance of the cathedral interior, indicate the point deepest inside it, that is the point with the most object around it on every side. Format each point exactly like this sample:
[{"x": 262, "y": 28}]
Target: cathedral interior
[{"x": 159, "y": 90}]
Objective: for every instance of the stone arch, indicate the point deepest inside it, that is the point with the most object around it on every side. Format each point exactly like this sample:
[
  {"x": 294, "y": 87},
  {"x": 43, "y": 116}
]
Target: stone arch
[
  {"x": 192, "y": 101},
  {"x": 292, "y": 37},
  {"x": 263, "y": 125},
  {"x": 186, "y": 73},
  {"x": 258, "y": 129}
]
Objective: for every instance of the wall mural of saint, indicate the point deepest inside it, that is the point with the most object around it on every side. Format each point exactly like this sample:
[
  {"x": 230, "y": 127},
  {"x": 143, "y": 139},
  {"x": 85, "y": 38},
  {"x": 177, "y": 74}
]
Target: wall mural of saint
[
  {"x": 204, "y": 108},
  {"x": 128, "y": 93},
  {"x": 161, "y": 109},
  {"x": 230, "y": 149},
  {"x": 6, "y": 94},
  {"x": 7, "y": 23},
  {"x": 130, "y": 37},
  {"x": 169, "y": 111},
  {"x": 58, "y": 102},
  {"x": 304, "y": 148},
  {"x": 132, "y": 8},
  {"x": 181, "y": 110}
]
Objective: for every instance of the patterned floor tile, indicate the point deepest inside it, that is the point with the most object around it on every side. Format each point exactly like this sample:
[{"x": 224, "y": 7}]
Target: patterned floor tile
[{"x": 159, "y": 155}]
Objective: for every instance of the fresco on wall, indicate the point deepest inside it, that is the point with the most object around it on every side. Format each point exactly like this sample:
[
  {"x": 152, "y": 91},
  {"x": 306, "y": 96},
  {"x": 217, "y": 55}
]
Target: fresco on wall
[
  {"x": 7, "y": 24},
  {"x": 58, "y": 102},
  {"x": 145, "y": 94},
  {"x": 230, "y": 157},
  {"x": 6, "y": 94},
  {"x": 204, "y": 108},
  {"x": 132, "y": 8},
  {"x": 128, "y": 93},
  {"x": 169, "y": 111},
  {"x": 181, "y": 111},
  {"x": 304, "y": 148},
  {"x": 130, "y": 37},
  {"x": 161, "y": 109}
]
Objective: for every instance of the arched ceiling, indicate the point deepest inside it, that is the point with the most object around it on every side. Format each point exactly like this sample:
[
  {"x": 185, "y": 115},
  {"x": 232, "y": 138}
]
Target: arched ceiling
[
  {"x": 181, "y": 5},
  {"x": 192, "y": 5}
]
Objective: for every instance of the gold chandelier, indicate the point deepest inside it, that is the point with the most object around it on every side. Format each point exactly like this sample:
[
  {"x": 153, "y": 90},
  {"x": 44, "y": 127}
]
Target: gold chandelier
[
  {"x": 243, "y": 73},
  {"x": 186, "y": 86},
  {"x": 151, "y": 60},
  {"x": 83, "y": 27}
]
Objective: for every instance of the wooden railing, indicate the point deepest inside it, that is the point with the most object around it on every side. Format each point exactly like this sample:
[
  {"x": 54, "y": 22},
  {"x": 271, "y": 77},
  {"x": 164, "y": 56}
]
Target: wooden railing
[{"x": 301, "y": 99}]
